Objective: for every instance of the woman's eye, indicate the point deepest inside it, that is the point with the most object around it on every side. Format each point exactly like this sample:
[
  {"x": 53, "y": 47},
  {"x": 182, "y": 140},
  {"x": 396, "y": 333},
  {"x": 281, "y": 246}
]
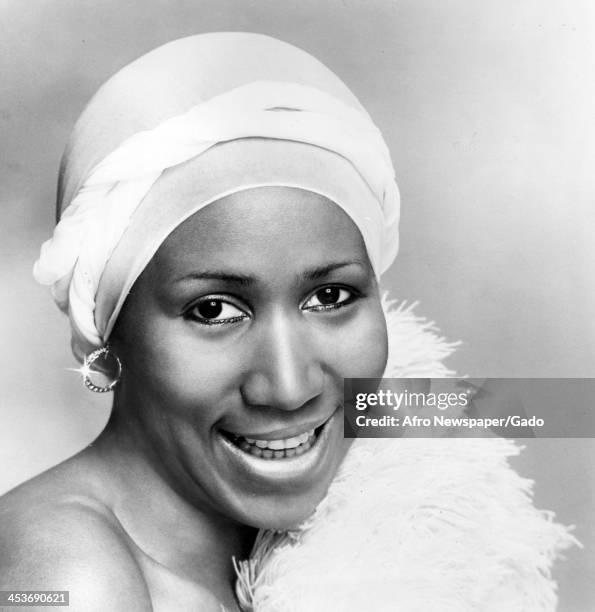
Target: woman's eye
[
  {"x": 329, "y": 298},
  {"x": 215, "y": 311}
]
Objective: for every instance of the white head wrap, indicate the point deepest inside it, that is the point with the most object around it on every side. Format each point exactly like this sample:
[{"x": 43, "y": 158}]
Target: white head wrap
[{"x": 249, "y": 111}]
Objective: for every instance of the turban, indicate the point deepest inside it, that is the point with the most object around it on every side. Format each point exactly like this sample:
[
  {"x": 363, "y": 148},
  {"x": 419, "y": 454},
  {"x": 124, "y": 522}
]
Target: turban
[{"x": 248, "y": 111}]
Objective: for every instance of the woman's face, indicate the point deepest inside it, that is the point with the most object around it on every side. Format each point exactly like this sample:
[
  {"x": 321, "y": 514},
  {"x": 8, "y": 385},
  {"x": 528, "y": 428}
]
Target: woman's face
[{"x": 235, "y": 341}]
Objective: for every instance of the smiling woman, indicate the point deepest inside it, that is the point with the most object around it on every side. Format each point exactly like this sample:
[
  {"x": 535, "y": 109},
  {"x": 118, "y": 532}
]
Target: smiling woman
[
  {"x": 226, "y": 208},
  {"x": 238, "y": 334}
]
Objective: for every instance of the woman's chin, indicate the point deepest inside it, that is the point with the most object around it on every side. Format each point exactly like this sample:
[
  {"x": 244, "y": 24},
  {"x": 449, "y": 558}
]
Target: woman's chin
[
  {"x": 280, "y": 490},
  {"x": 282, "y": 515}
]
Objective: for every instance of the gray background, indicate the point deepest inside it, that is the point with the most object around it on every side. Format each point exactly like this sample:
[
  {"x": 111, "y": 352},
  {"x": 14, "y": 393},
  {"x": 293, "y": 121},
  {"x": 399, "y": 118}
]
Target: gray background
[{"x": 488, "y": 110}]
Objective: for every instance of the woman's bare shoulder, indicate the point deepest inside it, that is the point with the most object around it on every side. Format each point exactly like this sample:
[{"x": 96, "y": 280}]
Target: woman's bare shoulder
[{"x": 56, "y": 535}]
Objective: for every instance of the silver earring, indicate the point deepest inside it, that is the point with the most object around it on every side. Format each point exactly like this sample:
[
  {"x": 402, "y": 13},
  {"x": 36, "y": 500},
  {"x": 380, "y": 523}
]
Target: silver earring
[{"x": 86, "y": 370}]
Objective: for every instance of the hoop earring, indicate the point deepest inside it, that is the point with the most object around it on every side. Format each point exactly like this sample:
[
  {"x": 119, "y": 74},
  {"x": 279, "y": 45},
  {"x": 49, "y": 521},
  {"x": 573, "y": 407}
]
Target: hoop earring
[{"x": 86, "y": 370}]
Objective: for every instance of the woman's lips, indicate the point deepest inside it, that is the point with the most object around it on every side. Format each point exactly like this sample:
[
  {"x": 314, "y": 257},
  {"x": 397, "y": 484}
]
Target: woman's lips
[
  {"x": 284, "y": 432},
  {"x": 291, "y": 464},
  {"x": 281, "y": 443}
]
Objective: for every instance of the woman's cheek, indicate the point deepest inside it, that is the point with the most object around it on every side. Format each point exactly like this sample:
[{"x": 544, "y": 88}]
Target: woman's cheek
[
  {"x": 194, "y": 380},
  {"x": 364, "y": 346}
]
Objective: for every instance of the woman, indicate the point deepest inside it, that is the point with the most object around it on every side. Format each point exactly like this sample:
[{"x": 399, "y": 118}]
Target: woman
[{"x": 226, "y": 209}]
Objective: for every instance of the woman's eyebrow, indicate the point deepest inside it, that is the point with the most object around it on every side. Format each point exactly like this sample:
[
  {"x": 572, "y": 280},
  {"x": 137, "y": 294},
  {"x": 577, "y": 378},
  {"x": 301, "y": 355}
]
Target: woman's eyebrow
[
  {"x": 322, "y": 271},
  {"x": 231, "y": 277}
]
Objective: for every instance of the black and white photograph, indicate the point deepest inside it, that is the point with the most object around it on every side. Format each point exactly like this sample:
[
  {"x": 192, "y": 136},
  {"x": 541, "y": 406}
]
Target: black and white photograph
[{"x": 299, "y": 306}]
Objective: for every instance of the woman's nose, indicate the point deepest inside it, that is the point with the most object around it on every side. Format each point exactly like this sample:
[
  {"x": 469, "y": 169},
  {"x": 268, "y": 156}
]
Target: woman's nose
[{"x": 285, "y": 370}]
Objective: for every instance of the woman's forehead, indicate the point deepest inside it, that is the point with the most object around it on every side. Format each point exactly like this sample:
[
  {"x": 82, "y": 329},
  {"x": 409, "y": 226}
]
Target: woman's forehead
[{"x": 254, "y": 225}]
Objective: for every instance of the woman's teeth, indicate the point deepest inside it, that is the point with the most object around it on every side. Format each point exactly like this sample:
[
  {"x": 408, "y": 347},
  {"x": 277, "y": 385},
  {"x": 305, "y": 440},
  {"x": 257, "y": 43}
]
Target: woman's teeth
[{"x": 276, "y": 449}]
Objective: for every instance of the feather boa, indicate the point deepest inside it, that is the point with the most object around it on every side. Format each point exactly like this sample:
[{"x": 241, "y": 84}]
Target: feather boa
[{"x": 413, "y": 525}]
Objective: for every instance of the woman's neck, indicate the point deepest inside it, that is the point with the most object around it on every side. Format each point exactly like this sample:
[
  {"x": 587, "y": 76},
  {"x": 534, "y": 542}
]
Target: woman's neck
[{"x": 159, "y": 515}]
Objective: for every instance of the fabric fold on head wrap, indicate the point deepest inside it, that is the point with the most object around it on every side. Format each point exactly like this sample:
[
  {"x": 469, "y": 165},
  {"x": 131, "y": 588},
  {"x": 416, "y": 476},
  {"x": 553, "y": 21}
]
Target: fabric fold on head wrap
[{"x": 257, "y": 133}]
